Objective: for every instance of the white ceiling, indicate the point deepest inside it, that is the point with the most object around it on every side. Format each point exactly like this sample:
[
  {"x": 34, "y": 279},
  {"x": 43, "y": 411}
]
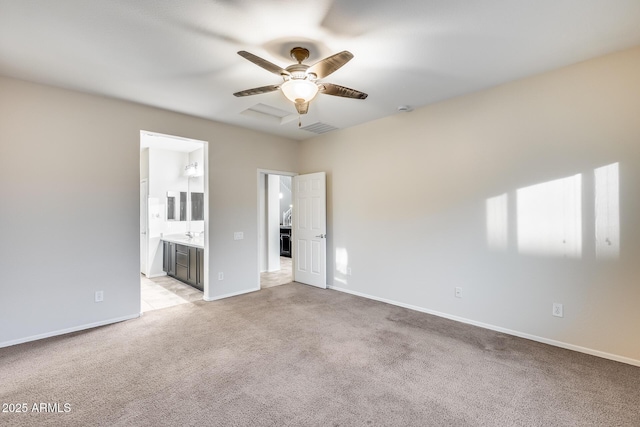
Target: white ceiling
[
  {"x": 168, "y": 142},
  {"x": 181, "y": 54}
]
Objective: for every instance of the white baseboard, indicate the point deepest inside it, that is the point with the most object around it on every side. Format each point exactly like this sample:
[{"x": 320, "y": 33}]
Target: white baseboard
[
  {"x": 153, "y": 276},
  {"x": 233, "y": 294},
  {"x": 68, "y": 330},
  {"x": 543, "y": 340}
]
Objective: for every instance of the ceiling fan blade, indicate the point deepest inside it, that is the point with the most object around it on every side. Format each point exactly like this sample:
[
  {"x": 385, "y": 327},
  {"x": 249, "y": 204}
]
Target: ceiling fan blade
[
  {"x": 269, "y": 66},
  {"x": 302, "y": 107},
  {"x": 257, "y": 90},
  {"x": 336, "y": 90},
  {"x": 330, "y": 64}
]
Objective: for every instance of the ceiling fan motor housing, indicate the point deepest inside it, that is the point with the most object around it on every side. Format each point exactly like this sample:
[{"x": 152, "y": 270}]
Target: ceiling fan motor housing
[
  {"x": 298, "y": 71},
  {"x": 299, "y": 54}
]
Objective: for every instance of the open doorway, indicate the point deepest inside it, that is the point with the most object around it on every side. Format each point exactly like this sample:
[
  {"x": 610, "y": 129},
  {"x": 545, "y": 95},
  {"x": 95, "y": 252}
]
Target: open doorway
[
  {"x": 173, "y": 220},
  {"x": 275, "y": 211}
]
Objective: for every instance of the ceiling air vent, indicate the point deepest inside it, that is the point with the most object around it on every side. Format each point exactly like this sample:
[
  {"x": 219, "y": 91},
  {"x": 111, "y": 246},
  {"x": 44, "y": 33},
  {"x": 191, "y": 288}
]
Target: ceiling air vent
[{"x": 319, "y": 128}]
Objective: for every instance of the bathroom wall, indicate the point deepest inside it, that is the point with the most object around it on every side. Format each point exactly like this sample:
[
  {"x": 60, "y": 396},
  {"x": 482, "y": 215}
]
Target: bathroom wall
[
  {"x": 197, "y": 183},
  {"x": 166, "y": 173}
]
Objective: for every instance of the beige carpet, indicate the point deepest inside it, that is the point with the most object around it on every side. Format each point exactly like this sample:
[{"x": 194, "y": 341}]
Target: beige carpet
[{"x": 294, "y": 355}]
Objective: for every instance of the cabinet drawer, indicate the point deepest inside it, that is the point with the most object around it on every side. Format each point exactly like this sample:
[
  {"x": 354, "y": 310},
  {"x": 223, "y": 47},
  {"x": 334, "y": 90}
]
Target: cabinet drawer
[
  {"x": 182, "y": 272},
  {"x": 182, "y": 248},
  {"x": 182, "y": 259}
]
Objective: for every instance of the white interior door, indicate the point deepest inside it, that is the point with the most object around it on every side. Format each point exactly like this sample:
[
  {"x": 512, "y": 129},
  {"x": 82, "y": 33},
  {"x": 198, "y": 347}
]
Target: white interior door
[
  {"x": 144, "y": 216},
  {"x": 310, "y": 229}
]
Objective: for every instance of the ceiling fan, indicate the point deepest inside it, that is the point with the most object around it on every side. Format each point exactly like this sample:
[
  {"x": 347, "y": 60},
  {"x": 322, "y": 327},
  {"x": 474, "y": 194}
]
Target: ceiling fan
[{"x": 301, "y": 83}]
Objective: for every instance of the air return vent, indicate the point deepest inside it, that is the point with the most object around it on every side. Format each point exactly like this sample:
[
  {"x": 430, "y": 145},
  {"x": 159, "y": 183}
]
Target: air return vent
[{"x": 319, "y": 128}]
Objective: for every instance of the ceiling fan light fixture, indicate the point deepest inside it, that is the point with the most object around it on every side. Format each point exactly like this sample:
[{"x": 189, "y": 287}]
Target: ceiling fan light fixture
[
  {"x": 299, "y": 91},
  {"x": 300, "y": 80}
]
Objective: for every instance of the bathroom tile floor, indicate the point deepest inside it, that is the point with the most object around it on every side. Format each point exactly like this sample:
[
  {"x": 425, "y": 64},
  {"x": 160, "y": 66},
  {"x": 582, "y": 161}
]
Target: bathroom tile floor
[
  {"x": 165, "y": 291},
  {"x": 281, "y": 277}
]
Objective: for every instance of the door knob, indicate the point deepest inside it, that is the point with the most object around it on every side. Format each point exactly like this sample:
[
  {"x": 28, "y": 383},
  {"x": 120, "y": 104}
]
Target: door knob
[{"x": 322, "y": 236}]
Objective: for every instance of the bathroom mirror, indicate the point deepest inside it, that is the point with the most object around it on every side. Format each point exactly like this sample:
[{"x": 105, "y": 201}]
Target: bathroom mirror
[
  {"x": 177, "y": 206},
  {"x": 172, "y": 203},
  {"x": 197, "y": 206}
]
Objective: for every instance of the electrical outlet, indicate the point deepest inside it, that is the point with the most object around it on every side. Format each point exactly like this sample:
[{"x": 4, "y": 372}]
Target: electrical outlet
[
  {"x": 458, "y": 292},
  {"x": 348, "y": 271},
  {"x": 558, "y": 310},
  {"x": 99, "y": 296},
  {"x": 238, "y": 235},
  {"x": 221, "y": 276}
]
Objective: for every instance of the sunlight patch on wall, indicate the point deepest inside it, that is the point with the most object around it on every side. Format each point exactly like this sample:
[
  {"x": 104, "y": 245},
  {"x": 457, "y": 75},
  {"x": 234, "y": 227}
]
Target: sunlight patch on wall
[
  {"x": 607, "y": 211},
  {"x": 549, "y": 218},
  {"x": 497, "y": 222},
  {"x": 342, "y": 263}
]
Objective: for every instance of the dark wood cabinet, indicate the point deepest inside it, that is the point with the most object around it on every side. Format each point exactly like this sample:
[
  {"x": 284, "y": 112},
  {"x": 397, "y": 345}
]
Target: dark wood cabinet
[
  {"x": 285, "y": 241},
  {"x": 185, "y": 263},
  {"x": 200, "y": 269},
  {"x": 193, "y": 265},
  {"x": 169, "y": 258},
  {"x": 182, "y": 263}
]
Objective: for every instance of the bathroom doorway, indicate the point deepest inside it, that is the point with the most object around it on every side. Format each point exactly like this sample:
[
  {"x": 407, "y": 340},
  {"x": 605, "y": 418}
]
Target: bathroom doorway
[
  {"x": 275, "y": 254},
  {"x": 174, "y": 208}
]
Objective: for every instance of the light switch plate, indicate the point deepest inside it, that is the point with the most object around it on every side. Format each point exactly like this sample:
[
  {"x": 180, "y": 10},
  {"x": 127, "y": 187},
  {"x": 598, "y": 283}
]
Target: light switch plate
[{"x": 238, "y": 235}]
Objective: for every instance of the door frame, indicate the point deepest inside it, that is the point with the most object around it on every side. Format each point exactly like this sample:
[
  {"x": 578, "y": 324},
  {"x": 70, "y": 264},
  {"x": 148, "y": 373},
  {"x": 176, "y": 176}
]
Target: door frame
[
  {"x": 144, "y": 220},
  {"x": 207, "y": 226},
  {"x": 260, "y": 173}
]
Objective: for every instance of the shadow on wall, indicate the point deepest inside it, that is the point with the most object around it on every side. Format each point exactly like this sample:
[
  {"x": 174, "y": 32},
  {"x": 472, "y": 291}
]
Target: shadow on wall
[{"x": 549, "y": 217}]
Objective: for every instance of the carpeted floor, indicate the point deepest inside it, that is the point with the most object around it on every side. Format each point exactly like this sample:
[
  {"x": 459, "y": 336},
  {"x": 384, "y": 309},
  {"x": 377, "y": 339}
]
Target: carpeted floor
[{"x": 294, "y": 355}]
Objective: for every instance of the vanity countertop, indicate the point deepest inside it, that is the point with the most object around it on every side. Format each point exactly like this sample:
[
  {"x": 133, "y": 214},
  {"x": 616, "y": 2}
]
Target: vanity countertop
[{"x": 182, "y": 239}]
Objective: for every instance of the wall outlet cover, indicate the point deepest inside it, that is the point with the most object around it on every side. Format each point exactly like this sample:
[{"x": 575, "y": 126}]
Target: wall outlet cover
[
  {"x": 458, "y": 292},
  {"x": 99, "y": 297},
  {"x": 238, "y": 235},
  {"x": 558, "y": 310}
]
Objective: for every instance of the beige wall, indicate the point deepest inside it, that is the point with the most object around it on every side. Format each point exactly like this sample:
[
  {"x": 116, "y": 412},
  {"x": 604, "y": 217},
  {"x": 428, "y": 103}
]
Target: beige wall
[
  {"x": 69, "y": 218},
  {"x": 407, "y": 205}
]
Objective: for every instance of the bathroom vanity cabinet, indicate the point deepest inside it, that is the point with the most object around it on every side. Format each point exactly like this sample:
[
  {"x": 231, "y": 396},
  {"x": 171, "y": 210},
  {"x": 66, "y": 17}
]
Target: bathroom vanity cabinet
[{"x": 184, "y": 262}]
